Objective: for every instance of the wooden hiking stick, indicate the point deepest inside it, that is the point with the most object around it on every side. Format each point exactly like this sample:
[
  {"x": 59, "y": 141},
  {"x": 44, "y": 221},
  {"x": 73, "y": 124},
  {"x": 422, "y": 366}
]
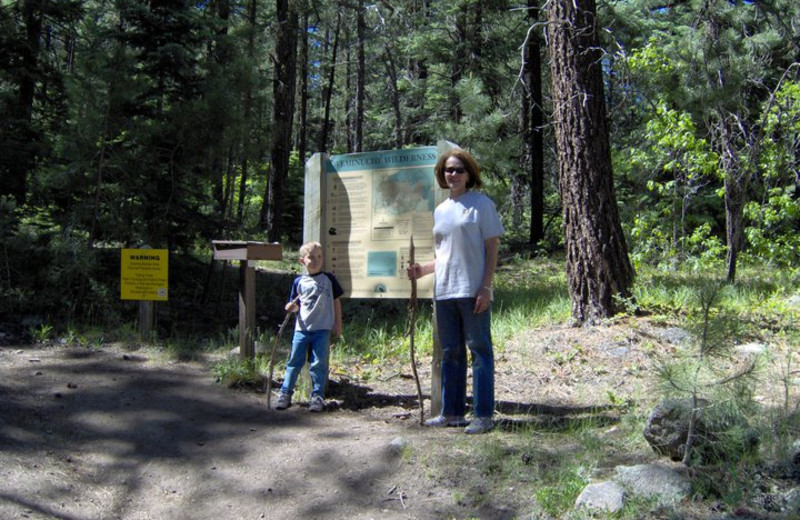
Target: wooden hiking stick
[
  {"x": 272, "y": 353},
  {"x": 412, "y": 325}
]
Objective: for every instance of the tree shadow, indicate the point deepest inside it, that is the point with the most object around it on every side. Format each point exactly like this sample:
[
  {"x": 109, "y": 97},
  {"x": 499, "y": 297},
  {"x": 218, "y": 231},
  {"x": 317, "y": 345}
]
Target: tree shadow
[
  {"x": 351, "y": 396},
  {"x": 106, "y": 419},
  {"x": 555, "y": 419}
]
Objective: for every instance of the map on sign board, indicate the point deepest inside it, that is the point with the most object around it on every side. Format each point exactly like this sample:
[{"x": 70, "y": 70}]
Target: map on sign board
[{"x": 373, "y": 204}]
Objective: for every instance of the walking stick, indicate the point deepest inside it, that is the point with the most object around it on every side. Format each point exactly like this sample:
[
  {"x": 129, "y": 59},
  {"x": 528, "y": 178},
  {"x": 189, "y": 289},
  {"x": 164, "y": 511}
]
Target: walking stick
[
  {"x": 412, "y": 322},
  {"x": 272, "y": 352}
]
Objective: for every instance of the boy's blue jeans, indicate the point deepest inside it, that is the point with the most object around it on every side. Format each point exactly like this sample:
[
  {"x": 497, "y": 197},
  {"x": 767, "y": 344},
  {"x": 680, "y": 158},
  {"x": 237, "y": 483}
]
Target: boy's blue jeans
[
  {"x": 460, "y": 328},
  {"x": 318, "y": 340}
]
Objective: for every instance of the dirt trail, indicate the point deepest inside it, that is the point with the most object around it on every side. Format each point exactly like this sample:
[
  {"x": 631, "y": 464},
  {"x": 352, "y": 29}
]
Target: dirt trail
[{"x": 101, "y": 434}]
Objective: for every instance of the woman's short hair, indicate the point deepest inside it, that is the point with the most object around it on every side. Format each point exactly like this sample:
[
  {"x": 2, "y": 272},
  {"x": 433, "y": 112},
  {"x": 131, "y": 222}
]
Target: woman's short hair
[{"x": 469, "y": 162}]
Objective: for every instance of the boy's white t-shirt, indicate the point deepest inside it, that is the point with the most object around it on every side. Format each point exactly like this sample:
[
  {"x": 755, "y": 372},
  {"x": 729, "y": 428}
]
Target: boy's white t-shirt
[
  {"x": 460, "y": 230},
  {"x": 317, "y": 293}
]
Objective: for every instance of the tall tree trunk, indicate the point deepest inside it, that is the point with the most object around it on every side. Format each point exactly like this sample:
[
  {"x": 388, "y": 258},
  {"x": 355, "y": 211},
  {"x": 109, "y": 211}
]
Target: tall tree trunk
[
  {"x": 460, "y": 60},
  {"x": 598, "y": 267},
  {"x": 247, "y": 109},
  {"x": 735, "y": 196},
  {"x": 417, "y": 68},
  {"x": 302, "y": 131},
  {"x": 283, "y": 89},
  {"x": 327, "y": 92},
  {"x": 361, "y": 79},
  {"x": 535, "y": 143},
  {"x": 349, "y": 100},
  {"x": 531, "y": 173},
  {"x": 22, "y": 140},
  {"x": 220, "y": 55},
  {"x": 394, "y": 94}
]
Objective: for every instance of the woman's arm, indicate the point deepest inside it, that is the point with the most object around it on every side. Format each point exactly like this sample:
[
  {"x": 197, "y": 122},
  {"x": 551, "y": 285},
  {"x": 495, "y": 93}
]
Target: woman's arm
[
  {"x": 337, "y": 321},
  {"x": 485, "y": 294}
]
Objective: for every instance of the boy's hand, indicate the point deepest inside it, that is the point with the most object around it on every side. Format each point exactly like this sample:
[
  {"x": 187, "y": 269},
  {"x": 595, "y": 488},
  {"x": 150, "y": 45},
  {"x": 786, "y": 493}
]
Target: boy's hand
[{"x": 291, "y": 307}]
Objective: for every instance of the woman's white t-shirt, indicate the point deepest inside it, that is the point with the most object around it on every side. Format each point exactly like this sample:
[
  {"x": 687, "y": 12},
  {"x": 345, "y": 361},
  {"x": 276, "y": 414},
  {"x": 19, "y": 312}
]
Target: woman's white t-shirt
[{"x": 461, "y": 227}]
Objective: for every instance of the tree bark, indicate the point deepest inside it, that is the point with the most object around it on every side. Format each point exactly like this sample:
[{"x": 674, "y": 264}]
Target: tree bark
[
  {"x": 531, "y": 174},
  {"x": 394, "y": 93},
  {"x": 535, "y": 145},
  {"x": 361, "y": 79},
  {"x": 598, "y": 267},
  {"x": 302, "y": 138},
  {"x": 20, "y": 156},
  {"x": 247, "y": 109},
  {"x": 283, "y": 88},
  {"x": 322, "y": 145}
]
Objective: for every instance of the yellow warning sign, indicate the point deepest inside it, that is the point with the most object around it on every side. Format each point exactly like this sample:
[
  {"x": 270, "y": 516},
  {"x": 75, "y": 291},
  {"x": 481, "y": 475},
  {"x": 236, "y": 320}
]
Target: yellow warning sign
[{"x": 145, "y": 274}]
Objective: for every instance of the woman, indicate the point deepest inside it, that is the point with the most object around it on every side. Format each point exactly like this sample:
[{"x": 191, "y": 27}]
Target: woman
[{"x": 466, "y": 230}]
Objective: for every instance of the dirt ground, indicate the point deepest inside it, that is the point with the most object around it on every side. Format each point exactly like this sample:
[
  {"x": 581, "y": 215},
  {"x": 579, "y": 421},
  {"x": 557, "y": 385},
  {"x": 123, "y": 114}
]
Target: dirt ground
[{"x": 113, "y": 433}]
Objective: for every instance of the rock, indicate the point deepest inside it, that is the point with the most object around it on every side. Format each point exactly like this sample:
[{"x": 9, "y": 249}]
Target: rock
[
  {"x": 667, "y": 428},
  {"x": 751, "y": 348},
  {"x": 792, "y": 500},
  {"x": 398, "y": 445},
  {"x": 675, "y": 335},
  {"x": 719, "y": 436},
  {"x": 654, "y": 481},
  {"x": 606, "y": 497}
]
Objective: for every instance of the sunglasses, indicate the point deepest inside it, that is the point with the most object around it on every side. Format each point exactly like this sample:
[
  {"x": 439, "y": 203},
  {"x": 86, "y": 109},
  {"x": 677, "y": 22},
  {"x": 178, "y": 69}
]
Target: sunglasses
[{"x": 458, "y": 170}]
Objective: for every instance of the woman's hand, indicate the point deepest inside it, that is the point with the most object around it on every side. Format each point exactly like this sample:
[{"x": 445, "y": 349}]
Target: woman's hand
[
  {"x": 416, "y": 270},
  {"x": 483, "y": 300}
]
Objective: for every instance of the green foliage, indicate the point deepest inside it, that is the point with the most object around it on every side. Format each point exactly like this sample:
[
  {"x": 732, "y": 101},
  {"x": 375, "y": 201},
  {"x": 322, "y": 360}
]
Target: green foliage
[
  {"x": 236, "y": 372},
  {"x": 773, "y": 217},
  {"x": 701, "y": 375},
  {"x": 561, "y": 489}
]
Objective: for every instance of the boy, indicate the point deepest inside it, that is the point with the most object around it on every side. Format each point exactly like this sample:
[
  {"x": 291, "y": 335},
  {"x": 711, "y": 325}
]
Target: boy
[{"x": 319, "y": 317}]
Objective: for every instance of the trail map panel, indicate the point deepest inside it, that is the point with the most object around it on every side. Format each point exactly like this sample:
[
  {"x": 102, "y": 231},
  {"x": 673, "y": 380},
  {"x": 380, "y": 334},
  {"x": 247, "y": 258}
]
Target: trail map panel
[{"x": 374, "y": 203}]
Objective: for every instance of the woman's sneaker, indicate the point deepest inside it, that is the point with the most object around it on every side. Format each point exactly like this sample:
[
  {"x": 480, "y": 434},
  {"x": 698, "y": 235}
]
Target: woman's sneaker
[
  {"x": 441, "y": 421},
  {"x": 480, "y": 425},
  {"x": 317, "y": 404},
  {"x": 284, "y": 401}
]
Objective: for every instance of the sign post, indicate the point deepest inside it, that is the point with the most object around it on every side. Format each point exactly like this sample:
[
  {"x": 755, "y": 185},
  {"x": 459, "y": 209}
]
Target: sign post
[{"x": 247, "y": 253}]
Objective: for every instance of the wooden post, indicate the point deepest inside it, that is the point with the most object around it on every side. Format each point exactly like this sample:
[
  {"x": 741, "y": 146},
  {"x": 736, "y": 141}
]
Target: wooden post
[
  {"x": 247, "y": 310},
  {"x": 145, "y": 319},
  {"x": 246, "y": 253},
  {"x": 436, "y": 370}
]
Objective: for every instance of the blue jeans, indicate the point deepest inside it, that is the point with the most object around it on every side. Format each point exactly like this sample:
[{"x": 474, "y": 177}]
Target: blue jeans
[
  {"x": 459, "y": 328},
  {"x": 318, "y": 340}
]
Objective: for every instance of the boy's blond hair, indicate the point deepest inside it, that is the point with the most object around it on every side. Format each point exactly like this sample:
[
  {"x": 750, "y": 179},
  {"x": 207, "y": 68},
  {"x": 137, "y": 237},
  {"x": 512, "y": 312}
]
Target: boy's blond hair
[{"x": 306, "y": 248}]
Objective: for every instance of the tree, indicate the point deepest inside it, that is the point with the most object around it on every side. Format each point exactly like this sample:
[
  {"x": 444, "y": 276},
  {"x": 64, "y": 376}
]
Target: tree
[
  {"x": 532, "y": 122},
  {"x": 598, "y": 268},
  {"x": 283, "y": 84}
]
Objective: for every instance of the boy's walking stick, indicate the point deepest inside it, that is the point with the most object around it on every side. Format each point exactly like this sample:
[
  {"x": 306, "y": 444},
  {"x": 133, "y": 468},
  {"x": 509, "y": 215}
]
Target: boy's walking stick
[
  {"x": 412, "y": 322},
  {"x": 272, "y": 353}
]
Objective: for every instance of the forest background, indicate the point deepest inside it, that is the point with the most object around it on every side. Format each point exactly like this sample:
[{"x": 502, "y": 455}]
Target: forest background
[{"x": 170, "y": 123}]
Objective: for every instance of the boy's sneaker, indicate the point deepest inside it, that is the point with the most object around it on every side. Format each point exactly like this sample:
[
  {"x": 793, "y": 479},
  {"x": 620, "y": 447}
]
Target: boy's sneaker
[
  {"x": 441, "y": 421},
  {"x": 284, "y": 401},
  {"x": 479, "y": 425},
  {"x": 317, "y": 404}
]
